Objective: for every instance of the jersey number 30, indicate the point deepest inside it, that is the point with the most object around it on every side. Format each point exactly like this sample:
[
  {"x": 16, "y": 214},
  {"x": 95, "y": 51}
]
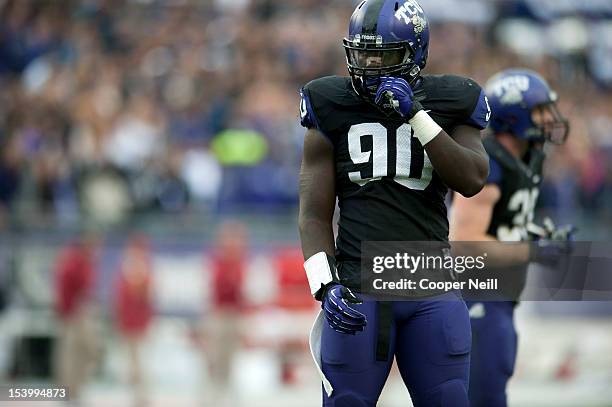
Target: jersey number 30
[
  {"x": 522, "y": 202},
  {"x": 412, "y": 166}
]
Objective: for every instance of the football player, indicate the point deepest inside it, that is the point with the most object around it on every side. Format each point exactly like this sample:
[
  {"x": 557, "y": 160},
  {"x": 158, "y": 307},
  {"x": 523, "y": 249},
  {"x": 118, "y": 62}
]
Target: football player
[
  {"x": 388, "y": 142},
  {"x": 524, "y": 117}
]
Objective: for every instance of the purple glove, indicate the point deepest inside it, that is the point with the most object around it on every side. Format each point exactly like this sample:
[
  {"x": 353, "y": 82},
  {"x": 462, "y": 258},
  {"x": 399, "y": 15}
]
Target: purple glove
[
  {"x": 336, "y": 302},
  {"x": 399, "y": 94}
]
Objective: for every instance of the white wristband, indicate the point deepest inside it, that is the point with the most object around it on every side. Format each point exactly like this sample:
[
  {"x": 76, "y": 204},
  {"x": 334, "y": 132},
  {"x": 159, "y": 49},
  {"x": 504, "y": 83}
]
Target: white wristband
[
  {"x": 319, "y": 272},
  {"x": 425, "y": 128}
]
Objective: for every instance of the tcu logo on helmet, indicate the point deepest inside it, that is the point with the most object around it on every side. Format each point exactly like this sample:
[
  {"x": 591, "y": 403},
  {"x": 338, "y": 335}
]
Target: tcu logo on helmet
[
  {"x": 510, "y": 90},
  {"x": 407, "y": 10}
]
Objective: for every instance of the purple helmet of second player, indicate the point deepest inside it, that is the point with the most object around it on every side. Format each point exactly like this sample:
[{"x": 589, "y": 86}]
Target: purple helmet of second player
[{"x": 517, "y": 97}]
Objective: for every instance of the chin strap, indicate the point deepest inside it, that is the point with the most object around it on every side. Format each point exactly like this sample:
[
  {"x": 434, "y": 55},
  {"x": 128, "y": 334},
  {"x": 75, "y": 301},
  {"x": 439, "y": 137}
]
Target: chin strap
[{"x": 414, "y": 76}]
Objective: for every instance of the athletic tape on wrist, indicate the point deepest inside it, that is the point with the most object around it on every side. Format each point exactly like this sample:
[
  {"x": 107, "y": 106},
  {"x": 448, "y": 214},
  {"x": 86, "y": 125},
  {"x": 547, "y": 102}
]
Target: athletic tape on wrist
[
  {"x": 319, "y": 271},
  {"x": 425, "y": 128}
]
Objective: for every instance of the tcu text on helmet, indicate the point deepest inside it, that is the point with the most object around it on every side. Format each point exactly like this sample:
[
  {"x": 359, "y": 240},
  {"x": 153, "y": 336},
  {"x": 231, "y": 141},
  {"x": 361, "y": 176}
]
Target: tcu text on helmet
[
  {"x": 410, "y": 7},
  {"x": 510, "y": 84}
]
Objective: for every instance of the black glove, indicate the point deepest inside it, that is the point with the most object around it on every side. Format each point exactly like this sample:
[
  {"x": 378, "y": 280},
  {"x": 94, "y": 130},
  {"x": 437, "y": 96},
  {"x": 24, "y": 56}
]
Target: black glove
[
  {"x": 550, "y": 252},
  {"x": 549, "y": 231}
]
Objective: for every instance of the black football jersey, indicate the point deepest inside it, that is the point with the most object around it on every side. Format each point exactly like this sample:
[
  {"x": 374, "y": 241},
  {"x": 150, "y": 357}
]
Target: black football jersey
[
  {"x": 519, "y": 184},
  {"x": 386, "y": 186}
]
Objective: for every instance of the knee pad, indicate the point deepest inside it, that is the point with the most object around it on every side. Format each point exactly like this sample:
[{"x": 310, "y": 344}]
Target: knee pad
[
  {"x": 348, "y": 400},
  {"x": 453, "y": 393}
]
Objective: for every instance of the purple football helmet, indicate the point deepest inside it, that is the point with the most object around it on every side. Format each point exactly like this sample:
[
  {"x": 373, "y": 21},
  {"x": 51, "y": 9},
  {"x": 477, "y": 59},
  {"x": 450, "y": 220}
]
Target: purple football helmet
[
  {"x": 524, "y": 105},
  {"x": 386, "y": 38}
]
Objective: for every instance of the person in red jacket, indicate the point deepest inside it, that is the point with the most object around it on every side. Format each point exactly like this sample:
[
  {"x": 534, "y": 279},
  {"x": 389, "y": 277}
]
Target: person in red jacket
[
  {"x": 75, "y": 280},
  {"x": 228, "y": 268},
  {"x": 229, "y": 264},
  {"x": 133, "y": 306}
]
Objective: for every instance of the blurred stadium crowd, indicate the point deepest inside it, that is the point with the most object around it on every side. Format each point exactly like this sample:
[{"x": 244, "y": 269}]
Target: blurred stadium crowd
[{"x": 113, "y": 108}]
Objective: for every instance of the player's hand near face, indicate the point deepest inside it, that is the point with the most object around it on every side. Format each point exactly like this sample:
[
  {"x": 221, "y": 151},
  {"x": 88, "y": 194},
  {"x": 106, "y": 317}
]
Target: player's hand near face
[
  {"x": 459, "y": 160},
  {"x": 399, "y": 93}
]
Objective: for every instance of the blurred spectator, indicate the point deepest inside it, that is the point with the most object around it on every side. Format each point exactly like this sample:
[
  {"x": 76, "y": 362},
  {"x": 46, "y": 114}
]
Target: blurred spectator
[
  {"x": 75, "y": 279},
  {"x": 293, "y": 296},
  {"x": 229, "y": 263},
  {"x": 134, "y": 309},
  {"x": 293, "y": 291}
]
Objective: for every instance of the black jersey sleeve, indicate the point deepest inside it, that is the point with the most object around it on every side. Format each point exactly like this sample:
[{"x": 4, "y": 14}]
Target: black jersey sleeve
[
  {"x": 459, "y": 100},
  {"x": 315, "y": 105},
  {"x": 478, "y": 110},
  {"x": 308, "y": 117},
  {"x": 496, "y": 172},
  {"x": 324, "y": 100}
]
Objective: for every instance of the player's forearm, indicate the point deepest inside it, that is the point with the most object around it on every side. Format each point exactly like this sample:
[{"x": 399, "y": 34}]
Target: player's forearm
[
  {"x": 317, "y": 195},
  {"x": 462, "y": 169},
  {"x": 506, "y": 254},
  {"x": 317, "y": 235},
  {"x": 498, "y": 254}
]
